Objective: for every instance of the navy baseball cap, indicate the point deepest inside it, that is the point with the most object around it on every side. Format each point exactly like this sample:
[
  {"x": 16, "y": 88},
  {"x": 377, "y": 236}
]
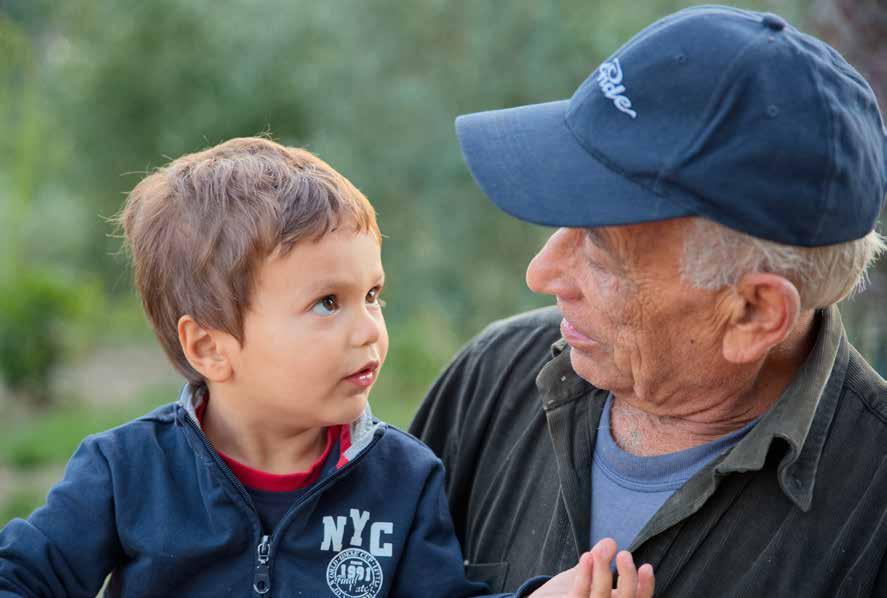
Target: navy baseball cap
[{"x": 728, "y": 114}]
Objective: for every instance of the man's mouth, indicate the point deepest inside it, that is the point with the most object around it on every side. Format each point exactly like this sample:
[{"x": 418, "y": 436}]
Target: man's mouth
[{"x": 573, "y": 336}]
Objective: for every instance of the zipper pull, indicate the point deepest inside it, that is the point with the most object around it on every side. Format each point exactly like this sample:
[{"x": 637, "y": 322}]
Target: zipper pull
[{"x": 262, "y": 578}]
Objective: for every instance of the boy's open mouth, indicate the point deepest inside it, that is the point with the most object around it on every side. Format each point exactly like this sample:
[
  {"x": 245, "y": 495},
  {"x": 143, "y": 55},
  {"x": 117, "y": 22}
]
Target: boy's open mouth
[{"x": 365, "y": 376}]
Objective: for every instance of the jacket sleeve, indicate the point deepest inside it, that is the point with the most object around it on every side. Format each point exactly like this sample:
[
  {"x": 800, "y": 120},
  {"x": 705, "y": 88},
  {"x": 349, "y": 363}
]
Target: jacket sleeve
[
  {"x": 68, "y": 546},
  {"x": 438, "y": 422},
  {"x": 495, "y": 368},
  {"x": 454, "y": 419},
  {"x": 432, "y": 563}
]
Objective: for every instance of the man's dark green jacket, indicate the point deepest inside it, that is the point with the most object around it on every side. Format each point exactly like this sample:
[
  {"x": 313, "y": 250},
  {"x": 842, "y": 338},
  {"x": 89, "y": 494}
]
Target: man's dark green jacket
[{"x": 798, "y": 508}]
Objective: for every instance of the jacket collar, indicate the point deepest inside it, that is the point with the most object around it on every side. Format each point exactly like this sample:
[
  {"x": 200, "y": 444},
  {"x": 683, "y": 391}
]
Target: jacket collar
[
  {"x": 801, "y": 417},
  {"x": 359, "y": 435},
  {"x": 557, "y": 382}
]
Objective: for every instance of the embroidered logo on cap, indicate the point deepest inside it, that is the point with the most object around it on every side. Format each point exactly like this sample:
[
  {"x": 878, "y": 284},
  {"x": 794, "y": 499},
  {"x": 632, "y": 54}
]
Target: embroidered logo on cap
[{"x": 609, "y": 78}]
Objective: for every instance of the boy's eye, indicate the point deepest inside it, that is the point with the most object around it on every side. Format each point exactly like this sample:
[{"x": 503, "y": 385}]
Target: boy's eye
[
  {"x": 326, "y": 306},
  {"x": 373, "y": 297}
]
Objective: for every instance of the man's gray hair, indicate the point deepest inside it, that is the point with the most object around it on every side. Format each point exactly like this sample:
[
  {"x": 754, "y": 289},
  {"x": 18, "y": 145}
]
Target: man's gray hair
[{"x": 716, "y": 256}]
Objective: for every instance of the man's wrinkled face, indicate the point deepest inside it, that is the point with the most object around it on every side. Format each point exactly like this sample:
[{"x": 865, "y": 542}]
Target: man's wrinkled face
[{"x": 633, "y": 325}]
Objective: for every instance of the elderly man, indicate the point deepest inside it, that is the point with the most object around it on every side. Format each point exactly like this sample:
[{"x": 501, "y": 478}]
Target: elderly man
[{"x": 693, "y": 395}]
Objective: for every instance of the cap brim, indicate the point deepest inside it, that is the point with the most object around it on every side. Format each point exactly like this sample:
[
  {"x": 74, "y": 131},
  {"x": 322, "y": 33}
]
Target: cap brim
[{"x": 530, "y": 164}]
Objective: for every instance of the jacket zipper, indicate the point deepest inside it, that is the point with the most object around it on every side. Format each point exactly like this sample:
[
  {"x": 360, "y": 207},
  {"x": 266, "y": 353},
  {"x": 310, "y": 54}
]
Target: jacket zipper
[
  {"x": 262, "y": 575},
  {"x": 225, "y": 469},
  {"x": 263, "y": 550},
  {"x": 318, "y": 488},
  {"x": 262, "y": 578}
]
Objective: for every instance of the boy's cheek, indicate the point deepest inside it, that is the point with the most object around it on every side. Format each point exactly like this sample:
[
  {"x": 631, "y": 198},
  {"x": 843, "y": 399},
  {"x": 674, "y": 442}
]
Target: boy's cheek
[{"x": 383, "y": 345}]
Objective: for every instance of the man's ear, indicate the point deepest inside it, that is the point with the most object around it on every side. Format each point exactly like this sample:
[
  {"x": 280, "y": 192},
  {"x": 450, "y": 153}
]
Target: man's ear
[
  {"x": 763, "y": 310},
  {"x": 205, "y": 350}
]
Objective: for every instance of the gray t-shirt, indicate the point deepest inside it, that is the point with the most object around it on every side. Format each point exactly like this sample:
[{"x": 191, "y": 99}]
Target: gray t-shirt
[{"x": 627, "y": 490}]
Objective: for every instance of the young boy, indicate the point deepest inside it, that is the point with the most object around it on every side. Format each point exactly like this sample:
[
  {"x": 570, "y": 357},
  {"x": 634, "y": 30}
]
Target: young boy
[{"x": 259, "y": 269}]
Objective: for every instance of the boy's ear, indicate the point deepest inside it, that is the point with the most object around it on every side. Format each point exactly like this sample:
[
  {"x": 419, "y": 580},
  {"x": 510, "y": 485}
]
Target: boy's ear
[{"x": 205, "y": 350}]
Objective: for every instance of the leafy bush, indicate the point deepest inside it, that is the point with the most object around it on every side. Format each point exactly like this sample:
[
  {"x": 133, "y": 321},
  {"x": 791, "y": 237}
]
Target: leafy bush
[
  {"x": 49, "y": 438},
  {"x": 35, "y": 305},
  {"x": 20, "y": 503}
]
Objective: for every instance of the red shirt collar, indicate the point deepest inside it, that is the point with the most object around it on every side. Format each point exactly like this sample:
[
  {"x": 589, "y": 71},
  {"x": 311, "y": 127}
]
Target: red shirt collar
[{"x": 287, "y": 482}]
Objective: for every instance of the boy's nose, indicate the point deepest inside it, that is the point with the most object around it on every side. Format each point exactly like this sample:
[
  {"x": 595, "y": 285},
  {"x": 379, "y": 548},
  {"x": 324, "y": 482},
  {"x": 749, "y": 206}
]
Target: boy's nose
[{"x": 367, "y": 328}]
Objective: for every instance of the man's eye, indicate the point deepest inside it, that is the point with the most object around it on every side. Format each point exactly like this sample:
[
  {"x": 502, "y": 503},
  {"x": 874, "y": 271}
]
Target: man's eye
[
  {"x": 326, "y": 306},
  {"x": 593, "y": 263},
  {"x": 373, "y": 297}
]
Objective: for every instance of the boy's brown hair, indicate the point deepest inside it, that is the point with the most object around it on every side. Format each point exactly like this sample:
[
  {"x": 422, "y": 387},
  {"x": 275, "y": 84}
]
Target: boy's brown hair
[{"x": 199, "y": 228}]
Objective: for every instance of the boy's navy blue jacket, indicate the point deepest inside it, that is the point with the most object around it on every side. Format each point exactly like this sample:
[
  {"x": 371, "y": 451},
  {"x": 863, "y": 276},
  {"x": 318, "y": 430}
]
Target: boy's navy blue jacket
[{"x": 152, "y": 503}]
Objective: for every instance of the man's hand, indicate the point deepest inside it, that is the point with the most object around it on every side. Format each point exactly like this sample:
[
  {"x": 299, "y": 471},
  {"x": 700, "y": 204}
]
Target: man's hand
[{"x": 592, "y": 577}]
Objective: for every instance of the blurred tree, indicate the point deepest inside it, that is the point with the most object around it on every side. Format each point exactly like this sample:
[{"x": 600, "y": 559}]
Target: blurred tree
[
  {"x": 142, "y": 82},
  {"x": 858, "y": 29},
  {"x": 373, "y": 87},
  {"x": 37, "y": 300}
]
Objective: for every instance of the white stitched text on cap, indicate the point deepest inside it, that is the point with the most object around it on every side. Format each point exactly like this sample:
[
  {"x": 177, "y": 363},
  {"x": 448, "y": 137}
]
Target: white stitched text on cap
[{"x": 609, "y": 78}]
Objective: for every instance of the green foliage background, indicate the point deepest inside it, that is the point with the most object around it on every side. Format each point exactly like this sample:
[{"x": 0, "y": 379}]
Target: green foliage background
[{"x": 95, "y": 93}]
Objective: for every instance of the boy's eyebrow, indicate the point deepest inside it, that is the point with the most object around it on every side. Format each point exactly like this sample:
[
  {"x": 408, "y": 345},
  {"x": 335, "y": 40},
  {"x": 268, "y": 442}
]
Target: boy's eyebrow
[{"x": 338, "y": 283}]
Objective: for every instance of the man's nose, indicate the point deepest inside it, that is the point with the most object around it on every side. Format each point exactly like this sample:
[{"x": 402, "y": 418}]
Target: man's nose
[{"x": 548, "y": 270}]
